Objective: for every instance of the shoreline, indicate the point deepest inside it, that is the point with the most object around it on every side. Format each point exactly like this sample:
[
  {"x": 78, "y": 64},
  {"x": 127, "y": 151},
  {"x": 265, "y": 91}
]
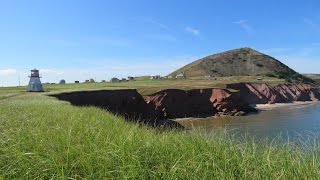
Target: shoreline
[
  {"x": 260, "y": 107},
  {"x": 266, "y": 107}
]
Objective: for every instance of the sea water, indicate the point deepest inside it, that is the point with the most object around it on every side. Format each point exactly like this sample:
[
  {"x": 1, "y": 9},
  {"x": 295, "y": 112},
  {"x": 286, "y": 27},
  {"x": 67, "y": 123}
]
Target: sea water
[{"x": 287, "y": 122}]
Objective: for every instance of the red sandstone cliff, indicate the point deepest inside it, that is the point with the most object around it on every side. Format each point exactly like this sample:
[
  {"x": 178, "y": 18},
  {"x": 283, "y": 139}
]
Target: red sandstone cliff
[
  {"x": 174, "y": 103},
  {"x": 266, "y": 94},
  {"x": 156, "y": 108},
  {"x": 127, "y": 103}
]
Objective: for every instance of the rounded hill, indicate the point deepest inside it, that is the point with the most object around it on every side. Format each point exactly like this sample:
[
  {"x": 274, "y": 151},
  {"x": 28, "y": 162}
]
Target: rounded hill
[{"x": 240, "y": 62}]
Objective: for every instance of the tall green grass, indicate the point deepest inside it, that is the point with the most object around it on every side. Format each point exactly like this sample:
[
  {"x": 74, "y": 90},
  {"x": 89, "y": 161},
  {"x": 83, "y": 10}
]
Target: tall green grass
[
  {"x": 43, "y": 138},
  {"x": 11, "y": 91}
]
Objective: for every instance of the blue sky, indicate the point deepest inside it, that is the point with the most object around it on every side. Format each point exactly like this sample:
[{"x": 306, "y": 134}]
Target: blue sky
[{"x": 78, "y": 40}]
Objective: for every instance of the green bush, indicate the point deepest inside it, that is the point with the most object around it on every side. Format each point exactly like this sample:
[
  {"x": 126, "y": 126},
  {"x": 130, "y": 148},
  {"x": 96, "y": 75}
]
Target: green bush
[
  {"x": 270, "y": 75},
  {"x": 288, "y": 80},
  {"x": 259, "y": 65}
]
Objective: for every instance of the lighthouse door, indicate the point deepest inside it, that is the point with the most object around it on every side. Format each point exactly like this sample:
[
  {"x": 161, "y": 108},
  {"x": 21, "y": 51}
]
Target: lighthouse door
[{"x": 33, "y": 87}]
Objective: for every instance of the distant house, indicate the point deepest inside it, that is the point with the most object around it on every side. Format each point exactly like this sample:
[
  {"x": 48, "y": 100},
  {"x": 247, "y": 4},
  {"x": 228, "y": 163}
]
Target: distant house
[
  {"x": 130, "y": 78},
  {"x": 169, "y": 77},
  {"x": 92, "y": 80},
  {"x": 62, "y": 81},
  {"x": 87, "y": 81},
  {"x": 113, "y": 80},
  {"x": 77, "y": 82},
  {"x": 182, "y": 75},
  {"x": 207, "y": 77},
  {"x": 155, "y": 77},
  {"x": 103, "y": 81}
]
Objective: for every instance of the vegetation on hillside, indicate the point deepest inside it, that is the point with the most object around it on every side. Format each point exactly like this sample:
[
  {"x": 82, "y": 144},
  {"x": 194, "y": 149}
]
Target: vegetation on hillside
[{"x": 241, "y": 62}]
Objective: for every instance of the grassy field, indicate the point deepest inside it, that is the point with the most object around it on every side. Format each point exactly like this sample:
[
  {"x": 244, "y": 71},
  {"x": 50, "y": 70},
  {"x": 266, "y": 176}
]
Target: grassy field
[
  {"x": 43, "y": 138},
  {"x": 151, "y": 86}
]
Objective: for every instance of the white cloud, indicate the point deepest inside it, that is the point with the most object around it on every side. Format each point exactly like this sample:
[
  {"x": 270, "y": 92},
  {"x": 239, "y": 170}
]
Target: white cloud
[
  {"x": 7, "y": 72},
  {"x": 101, "y": 69},
  {"x": 162, "y": 26},
  {"x": 192, "y": 30},
  {"x": 151, "y": 21},
  {"x": 163, "y": 33},
  {"x": 244, "y": 24}
]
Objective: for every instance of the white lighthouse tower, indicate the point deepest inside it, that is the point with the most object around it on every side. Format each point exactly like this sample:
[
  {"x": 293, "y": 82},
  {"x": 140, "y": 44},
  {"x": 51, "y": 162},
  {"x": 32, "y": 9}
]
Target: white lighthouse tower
[{"x": 35, "y": 83}]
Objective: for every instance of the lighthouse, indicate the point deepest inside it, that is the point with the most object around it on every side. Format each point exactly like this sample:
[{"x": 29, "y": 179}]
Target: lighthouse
[{"x": 35, "y": 83}]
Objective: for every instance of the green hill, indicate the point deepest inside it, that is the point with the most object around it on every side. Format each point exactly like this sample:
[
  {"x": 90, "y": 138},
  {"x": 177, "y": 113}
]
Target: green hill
[{"x": 241, "y": 62}]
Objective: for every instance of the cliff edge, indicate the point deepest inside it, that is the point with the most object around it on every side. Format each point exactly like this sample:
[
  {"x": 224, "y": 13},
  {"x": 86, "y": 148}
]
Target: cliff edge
[{"x": 156, "y": 109}]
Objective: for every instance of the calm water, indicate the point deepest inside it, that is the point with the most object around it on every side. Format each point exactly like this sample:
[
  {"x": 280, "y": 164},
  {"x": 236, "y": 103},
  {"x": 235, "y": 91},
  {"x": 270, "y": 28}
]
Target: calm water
[{"x": 291, "y": 121}]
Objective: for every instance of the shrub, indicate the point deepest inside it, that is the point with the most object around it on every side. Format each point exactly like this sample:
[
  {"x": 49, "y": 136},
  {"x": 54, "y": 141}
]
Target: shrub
[
  {"x": 288, "y": 80},
  {"x": 259, "y": 65},
  {"x": 270, "y": 75}
]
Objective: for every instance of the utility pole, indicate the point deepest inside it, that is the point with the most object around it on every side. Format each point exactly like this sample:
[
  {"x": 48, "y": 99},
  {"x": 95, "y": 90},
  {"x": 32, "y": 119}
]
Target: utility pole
[{"x": 19, "y": 80}]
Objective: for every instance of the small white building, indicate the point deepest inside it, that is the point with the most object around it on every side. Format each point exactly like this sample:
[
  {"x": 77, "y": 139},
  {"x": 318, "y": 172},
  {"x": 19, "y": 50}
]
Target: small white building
[
  {"x": 155, "y": 77},
  {"x": 35, "y": 83},
  {"x": 181, "y": 75},
  {"x": 207, "y": 77}
]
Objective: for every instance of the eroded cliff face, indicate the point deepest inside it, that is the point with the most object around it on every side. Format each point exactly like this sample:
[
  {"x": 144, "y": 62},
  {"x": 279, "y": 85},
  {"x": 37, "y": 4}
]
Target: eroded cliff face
[
  {"x": 266, "y": 94},
  {"x": 175, "y": 103},
  {"x": 156, "y": 109},
  {"x": 127, "y": 103}
]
